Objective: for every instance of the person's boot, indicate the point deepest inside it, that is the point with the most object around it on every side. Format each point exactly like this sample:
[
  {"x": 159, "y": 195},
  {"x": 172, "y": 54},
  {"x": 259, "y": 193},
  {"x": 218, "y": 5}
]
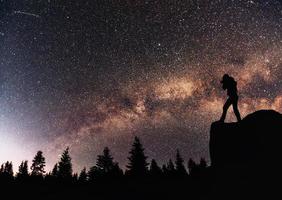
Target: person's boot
[{"x": 222, "y": 119}]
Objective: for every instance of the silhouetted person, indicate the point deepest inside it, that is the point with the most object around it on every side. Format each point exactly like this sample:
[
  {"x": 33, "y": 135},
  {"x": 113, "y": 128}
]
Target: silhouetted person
[{"x": 230, "y": 84}]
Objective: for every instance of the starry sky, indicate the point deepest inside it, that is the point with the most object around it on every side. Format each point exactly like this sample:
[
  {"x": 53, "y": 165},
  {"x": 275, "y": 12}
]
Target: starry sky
[{"x": 94, "y": 73}]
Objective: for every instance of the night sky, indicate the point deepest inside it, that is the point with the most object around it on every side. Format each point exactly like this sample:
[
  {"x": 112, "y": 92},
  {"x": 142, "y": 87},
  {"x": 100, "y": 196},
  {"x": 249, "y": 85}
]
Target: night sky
[{"x": 94, "y": 73}]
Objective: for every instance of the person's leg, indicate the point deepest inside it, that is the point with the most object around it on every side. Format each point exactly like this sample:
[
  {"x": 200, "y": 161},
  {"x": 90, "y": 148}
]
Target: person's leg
[
  {"x": 236, "y": 110},
  {"x": 225, "y": 108}
]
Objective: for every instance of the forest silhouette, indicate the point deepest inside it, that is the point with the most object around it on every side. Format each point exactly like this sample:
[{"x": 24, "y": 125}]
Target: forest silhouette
[
  {"x": 244, "y": 164},
  {"x": 105, "y": 175}
]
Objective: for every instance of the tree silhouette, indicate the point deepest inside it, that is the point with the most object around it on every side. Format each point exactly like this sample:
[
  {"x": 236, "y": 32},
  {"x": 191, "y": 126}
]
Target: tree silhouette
[
  {"x": 179, "y": 165},
  {"x": 23, "y": 171},
  {"x": 2, "y": 168},
  {"x": 94, "y": 174},
  {"x": 6, "y": 172},
  {"x": 138, "y": 165},
  {"x": 54, "y": 172},
  {"x": 116, "y": 172},
  {"x": 38, "y": 164},
  {"x": 164, "y": 169},
  {"x": 105, "y": 167},
  {"x": 8, "y": 169},
  {"x": 192, "y": 167},
  {"x": 105, "y": 161},
  {"x": 52, "y": 177},
  {"x": 65, "y": 166},
  {"x": 82, "y": 176},
  {"x": 203, "y": 163},
  {"x": 155, "y": 170},
  {"x": 170, "y": 169},
  {"x": 106, "y": 175},
  {"x": 74, "y": 178}
]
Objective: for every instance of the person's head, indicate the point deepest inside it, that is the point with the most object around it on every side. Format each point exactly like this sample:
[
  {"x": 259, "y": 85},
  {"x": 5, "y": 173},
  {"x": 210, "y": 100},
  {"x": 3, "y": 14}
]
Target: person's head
[{"x": 225, "y": 78}]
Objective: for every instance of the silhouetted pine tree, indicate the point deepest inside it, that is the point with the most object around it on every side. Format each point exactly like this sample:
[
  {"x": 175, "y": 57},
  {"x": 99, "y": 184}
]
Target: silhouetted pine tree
[
  {"x": 105, "y": 161},
  {"x": 179, "y": 166},
  {"x": 82, "y": 176},
  {"x": 38, "y": 164},
  {"x": 65, "y": 166},
  {"x": 117, "y": 172},
  {"x": 164, "y": 169},
  {"x": 155, "y": 170},
  {"x": 52, "y": 177},
  {"x": 192, "y": 167},
  {"x": 54, "y": 172},
  {"x": 94, "y": 174},
  {"x": 202, "y": 168},
  {"x": 1, "y": 173},
  {"x": 170, "y": 169},
  {"x": 203, "y": 163},
  {"x": 105, "y": 167},
  {"x": 74, "y": 178},
  {"x": 6, "y": 172},
  {"x": 22, "y": 174},
  {"x": 137, "y": 165},
  {"x": 48, "y": 177},
  {"x": 8, "y": 169},
  {"x": 2, "y": 169}
]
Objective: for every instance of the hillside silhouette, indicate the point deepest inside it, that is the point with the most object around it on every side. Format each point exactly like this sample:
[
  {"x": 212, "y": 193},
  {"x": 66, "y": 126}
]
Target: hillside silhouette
[{"x": 245, "y": 163}]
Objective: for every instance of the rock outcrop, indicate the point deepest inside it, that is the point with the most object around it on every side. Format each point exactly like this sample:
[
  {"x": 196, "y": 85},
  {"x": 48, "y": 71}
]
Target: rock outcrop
[
  {"x": 246, "y": 157},
  {"x": 255, "y": 142}
]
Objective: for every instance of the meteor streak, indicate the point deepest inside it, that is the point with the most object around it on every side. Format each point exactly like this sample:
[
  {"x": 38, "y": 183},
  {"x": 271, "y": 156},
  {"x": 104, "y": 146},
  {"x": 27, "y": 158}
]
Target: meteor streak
[{"x": 26, "y": 13}]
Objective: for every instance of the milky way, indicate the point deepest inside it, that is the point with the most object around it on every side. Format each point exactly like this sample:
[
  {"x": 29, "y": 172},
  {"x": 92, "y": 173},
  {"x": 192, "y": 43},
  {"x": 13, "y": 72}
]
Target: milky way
[{"x": 90, "y": 74}]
